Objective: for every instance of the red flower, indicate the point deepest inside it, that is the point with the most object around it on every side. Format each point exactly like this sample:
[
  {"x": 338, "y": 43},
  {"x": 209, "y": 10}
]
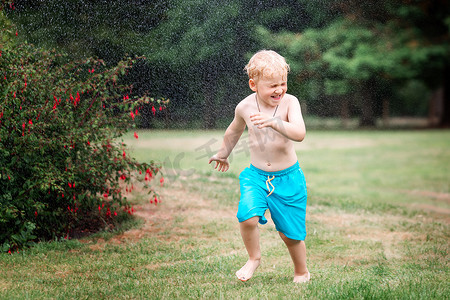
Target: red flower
[
  {"x": 124, "y": 154},
  {"x": 161, "y": 181},
  {"x": 136, "y": 135},
  {"x": 30, "y": 122},
  {"x": 132, "y": 115},
  {"x": 153, "y": 110}
]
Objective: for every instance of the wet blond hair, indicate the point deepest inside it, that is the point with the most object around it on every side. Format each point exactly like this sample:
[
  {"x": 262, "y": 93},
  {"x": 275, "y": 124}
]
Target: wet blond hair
[{"x": 266, "y": 63}]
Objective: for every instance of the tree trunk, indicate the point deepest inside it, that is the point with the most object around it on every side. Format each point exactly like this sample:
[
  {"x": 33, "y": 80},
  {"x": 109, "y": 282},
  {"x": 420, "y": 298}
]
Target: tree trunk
[
  {"x": 386, "y": 112},
  {"x": 445, "y": 117},
  {"x": 345, "y": 111},
  {"x": 435, "y": 108},
  {"x": 366, "y": 102}
]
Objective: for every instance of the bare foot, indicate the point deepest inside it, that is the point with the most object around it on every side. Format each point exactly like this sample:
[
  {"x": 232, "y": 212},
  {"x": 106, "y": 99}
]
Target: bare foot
[
  {"x": 246, "y": 272},
  {"x": 302, "y": 278}
]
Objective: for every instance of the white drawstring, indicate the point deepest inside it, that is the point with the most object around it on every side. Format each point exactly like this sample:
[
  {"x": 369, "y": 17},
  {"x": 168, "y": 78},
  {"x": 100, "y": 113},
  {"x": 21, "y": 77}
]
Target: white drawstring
[{"x": 268, "y": 181}]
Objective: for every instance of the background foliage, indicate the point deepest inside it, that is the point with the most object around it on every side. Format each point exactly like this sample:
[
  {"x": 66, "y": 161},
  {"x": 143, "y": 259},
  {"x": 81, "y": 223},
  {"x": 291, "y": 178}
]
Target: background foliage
[
  {"x": 349, "y": 58},
  {"x": 63, "y": 168}
]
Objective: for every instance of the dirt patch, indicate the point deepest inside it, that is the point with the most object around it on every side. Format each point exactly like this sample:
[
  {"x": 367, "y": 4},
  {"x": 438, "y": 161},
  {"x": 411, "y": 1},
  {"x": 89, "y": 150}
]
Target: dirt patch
[
  {"x": 444, "y": 197},
  {"x": 389, "y": 240},
  {"x": 440, "y": 212},
  {"x": 4, "y": 286},
  {"x": 180, "y": 210},
  {"x": 366, "y": 227}
]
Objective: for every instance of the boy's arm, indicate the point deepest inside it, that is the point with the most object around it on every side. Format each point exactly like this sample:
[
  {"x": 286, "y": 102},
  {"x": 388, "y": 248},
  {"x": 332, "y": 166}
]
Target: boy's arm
[
  {"x": 294, "y": 129},
  {"x": 230, "y": 139}
]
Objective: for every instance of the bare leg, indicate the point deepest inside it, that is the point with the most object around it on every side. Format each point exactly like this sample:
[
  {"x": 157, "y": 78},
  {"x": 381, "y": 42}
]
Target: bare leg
[
  {"x": 297, "y": 250},
  {"x": 250, "y": 236}
]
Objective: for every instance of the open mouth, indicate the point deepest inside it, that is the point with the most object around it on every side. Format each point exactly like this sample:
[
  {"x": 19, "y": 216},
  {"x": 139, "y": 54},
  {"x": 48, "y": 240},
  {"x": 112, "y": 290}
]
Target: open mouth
[{"x": 276, "y": 98}]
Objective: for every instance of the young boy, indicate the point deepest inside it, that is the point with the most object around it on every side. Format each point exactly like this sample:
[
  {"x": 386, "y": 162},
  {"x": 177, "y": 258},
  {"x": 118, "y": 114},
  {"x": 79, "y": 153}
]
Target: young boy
[{"x": 274, "y": 179}]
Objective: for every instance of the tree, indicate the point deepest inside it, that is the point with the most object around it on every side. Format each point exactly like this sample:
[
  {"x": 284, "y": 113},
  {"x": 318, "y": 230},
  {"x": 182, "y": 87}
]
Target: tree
[
  {"x": 205, "y": 44},
  {"x": 108, "y": 30},
  {"x": 368, "y": 54}
]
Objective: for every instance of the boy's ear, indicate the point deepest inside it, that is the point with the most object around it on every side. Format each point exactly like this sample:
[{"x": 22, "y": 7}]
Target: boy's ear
[{"x": 252, "y": 85}]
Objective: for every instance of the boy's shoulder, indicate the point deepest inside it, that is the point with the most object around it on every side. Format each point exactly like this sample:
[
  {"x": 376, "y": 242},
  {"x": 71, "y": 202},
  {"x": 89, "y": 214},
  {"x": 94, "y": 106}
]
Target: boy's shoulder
[
  {"x": 248, "y": 99},
  {"x": 246, "y": 103},
  {"x": 290, "y": 97}
]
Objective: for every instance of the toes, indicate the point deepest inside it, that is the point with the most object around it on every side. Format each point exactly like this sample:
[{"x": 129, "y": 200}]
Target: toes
[
  {"x": 302, "y": 279},
  {"x": 241, "y": 276}
]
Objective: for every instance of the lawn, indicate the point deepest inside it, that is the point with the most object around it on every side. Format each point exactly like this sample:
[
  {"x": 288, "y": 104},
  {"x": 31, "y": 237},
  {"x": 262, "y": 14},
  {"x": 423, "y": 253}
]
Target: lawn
[{"x": 378, "y": 227}]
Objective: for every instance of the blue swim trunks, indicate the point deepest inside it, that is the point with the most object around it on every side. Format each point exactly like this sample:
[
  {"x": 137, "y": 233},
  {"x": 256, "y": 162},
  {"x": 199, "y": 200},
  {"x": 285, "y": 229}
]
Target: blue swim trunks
[{"x": 282, "y": 192}]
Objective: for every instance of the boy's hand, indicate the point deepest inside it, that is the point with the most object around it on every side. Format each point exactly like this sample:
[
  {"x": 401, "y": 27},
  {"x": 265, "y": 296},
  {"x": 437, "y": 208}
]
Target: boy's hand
[
  {"x": 261, "y": 120},
  {"x": 222, "y": 163}
]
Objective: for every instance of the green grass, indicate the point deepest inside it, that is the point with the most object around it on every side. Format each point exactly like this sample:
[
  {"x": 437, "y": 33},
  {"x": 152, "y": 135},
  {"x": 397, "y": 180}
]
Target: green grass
[{"x": 378, "y": 227}]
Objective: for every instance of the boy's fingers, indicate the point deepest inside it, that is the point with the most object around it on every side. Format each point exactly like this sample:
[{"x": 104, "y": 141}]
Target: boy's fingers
[{"x": 220, "y": 165}]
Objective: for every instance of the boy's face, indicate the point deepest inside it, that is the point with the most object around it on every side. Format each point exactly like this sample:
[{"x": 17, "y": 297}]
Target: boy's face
[{"x": 270, "y": 90}]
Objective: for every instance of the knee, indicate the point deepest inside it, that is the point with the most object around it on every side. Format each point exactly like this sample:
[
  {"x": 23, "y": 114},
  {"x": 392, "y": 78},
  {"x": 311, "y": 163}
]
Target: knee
[
  {"x": 250, "y": 223},
  {"x": 287, "y": 240}
]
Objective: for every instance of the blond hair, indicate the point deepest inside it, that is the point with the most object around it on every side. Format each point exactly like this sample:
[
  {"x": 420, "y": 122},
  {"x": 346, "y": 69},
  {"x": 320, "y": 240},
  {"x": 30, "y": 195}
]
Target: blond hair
[{"x": 266, "y": 63}]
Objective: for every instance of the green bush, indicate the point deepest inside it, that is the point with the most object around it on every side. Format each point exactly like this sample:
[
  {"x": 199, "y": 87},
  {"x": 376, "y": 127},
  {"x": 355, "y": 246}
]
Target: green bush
[{"x": 63, "y": 167}]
